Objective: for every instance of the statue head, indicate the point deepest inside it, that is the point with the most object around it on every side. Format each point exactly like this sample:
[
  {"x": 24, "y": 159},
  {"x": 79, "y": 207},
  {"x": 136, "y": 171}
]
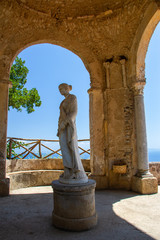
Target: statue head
[{"x": 64, "y": 88}]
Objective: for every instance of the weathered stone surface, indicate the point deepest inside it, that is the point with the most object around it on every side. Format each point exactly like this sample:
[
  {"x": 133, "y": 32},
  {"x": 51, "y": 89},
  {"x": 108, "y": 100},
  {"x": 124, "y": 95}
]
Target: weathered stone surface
[
  {"x": 32, "y": 178},
  {"x": 119, "y": 181},
  {"x": 4, "y": 187},
  {"x": 15, "y": 165},
  {"x": 3, "y": 126},
  {"x": 24, "y": 169},
  {"x": 155, "y": 170},
  {"x": 101, "y": 181},
  {"x": 145, "y": 185},
  {"x": 36, "y": 172},
  {"x": 74, "y": 206},
  {"x": 96, "y": 132}
]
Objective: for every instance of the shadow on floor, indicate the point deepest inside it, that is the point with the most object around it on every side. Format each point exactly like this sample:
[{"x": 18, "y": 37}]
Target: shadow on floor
[{"x": 28, "y": 216}]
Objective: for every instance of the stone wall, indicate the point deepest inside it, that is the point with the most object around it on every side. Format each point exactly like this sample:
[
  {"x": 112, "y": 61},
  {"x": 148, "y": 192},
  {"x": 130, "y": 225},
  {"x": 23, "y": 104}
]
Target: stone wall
[
  {"x": 155, "y": 170},
  {"x": 17, "y": 165},
  {"x": 35, "y": 172},
  {"x": 40, "y": 172}
]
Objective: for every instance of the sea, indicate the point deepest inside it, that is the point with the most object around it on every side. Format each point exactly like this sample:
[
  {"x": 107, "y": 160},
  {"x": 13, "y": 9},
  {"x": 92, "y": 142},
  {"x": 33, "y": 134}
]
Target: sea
[{"x": 154, "y": 155}]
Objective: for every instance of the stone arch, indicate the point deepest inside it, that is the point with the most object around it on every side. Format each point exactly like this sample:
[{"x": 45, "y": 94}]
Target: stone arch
[
  {"x": 86, "y": 55},
  {"x": 95, "y": 69},
  {"x": 141, "y": 41},
  {"x": 61, "y": 44}
]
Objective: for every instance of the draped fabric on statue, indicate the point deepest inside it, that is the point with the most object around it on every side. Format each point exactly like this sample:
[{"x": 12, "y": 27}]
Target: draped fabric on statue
[{"x": 68, "y": 135}]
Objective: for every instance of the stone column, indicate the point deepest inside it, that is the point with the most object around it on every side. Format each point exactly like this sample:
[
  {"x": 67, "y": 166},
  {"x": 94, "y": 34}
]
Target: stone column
[
  {"x": 144, "y": 182},
  {"x": 142, "y": 150},
  {"x": 4, "y": 182},
  {"x": 123, "y": 62},
  {"x": 98, "y": 165},
  {"x": 107, "y": 68}
]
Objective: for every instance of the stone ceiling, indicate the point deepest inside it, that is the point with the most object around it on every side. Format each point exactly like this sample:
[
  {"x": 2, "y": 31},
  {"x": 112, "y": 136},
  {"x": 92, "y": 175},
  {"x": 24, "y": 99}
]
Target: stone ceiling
[{"x": 73, "y": 8}]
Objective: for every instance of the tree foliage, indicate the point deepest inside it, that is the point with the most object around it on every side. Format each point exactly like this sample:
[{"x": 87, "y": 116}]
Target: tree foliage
[
  {"x": 13, "y": 146},
  {"x": 19, "y": 96}
]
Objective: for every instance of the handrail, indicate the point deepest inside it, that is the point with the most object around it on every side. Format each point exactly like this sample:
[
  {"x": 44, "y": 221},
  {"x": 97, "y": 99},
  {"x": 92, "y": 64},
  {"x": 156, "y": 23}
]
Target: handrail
[
  {"x": 20, "y": 143},
  {"x": 47, "y": 140}
]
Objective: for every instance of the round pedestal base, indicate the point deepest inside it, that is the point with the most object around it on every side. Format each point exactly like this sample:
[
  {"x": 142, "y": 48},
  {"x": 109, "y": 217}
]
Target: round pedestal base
[
  {"x": 74, "y": 224},
  {"x": 74, "y": 206}
]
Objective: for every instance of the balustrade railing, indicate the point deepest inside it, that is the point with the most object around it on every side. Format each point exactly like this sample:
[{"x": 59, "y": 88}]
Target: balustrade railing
[{"x": 21, "y": 148}]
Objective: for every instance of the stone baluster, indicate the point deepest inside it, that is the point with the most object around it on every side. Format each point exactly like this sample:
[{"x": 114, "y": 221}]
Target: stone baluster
[
  {"x": 123, "y": 62},
  {"x": 142, "y": 151},
  {"x": 4, "y": 182}
]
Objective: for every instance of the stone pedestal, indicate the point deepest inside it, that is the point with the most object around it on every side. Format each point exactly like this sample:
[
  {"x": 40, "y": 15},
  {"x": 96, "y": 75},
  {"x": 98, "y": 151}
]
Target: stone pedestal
[
  {"x": 74, "y": 206},
  {"x": 148, "y": 185}
]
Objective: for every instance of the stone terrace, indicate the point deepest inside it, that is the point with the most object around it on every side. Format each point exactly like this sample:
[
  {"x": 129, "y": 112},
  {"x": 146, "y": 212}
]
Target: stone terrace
[{"x": 26, "y": 214}]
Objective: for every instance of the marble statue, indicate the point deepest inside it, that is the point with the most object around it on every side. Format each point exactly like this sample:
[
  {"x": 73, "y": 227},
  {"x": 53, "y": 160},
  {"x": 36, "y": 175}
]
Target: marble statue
[{"x": 73, "y": 169}]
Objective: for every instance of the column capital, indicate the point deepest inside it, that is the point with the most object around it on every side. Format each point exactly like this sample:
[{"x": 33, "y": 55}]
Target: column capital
[
  {"x": 94, "y": 89},
  {"x": 106, "y": 64},
  {"x": 138, "y": 87},
  {"x": 122, "y": 61},
  {"x": 4, "y": 81}
]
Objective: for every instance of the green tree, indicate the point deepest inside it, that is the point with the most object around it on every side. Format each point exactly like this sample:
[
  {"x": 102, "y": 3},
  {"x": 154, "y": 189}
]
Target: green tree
[{"x": 19, "y": 96}]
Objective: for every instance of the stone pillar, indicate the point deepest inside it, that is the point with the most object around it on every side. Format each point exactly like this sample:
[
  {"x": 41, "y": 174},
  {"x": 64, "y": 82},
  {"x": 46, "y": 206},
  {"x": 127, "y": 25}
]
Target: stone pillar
[
  {"x": 4, "y": 182},
  {"x": 98, "y": 165},
  {"x": 142, "y": 150},
  {"x": 143, "y": 182}
]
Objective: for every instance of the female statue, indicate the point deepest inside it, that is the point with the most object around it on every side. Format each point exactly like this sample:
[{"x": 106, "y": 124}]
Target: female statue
[{"x": 73, "y": 168}]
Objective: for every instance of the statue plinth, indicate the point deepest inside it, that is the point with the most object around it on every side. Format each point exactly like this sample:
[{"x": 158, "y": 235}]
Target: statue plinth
[{"x": 74, "y": 206}]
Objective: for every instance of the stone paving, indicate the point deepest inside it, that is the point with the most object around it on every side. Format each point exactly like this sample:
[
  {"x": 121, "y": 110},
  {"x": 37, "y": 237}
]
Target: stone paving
[{"x": 26, "y": 215}]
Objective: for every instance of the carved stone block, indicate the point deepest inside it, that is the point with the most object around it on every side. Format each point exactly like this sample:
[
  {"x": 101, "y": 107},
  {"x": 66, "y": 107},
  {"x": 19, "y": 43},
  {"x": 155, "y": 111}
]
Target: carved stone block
[{"x": 145, "y": 185}]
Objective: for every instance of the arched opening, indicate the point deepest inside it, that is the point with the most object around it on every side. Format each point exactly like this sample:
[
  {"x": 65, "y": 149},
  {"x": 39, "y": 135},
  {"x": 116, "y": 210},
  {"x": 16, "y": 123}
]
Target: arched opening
[
  {"x": 152, "y": 101},
  {"x": 152, "y": 88},
  {"x": 96, "y": 71},
  {"x": 152, "y": 18},
  {"x": 49, "y": 65}
]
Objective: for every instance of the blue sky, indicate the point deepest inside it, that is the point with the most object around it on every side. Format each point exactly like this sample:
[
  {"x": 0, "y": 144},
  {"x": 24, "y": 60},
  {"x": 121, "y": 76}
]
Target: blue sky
[
  {"x": 50, "y": 65},
  {"x": 152, "y": 90}
]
